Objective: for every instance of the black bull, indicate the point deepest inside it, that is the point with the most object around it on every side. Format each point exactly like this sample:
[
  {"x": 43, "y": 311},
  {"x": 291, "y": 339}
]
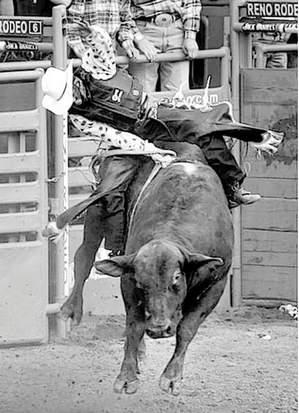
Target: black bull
[{"x": 178, "y": 254}]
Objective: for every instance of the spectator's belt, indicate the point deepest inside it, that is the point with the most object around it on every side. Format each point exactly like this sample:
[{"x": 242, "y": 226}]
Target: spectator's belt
[{"x": 163, "y": 19}]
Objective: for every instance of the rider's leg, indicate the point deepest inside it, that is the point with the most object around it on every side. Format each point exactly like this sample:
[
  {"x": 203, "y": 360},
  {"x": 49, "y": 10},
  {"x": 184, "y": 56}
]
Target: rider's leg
[
  {"x": 116, "y": 173},
  {"x": 219, "y": 157},
  {"x": 225, "y": 165},
  {"x": 115, "y": 222}
]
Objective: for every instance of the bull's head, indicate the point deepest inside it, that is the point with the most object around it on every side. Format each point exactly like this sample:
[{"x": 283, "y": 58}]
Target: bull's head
[{"x": 159, "y": 270}]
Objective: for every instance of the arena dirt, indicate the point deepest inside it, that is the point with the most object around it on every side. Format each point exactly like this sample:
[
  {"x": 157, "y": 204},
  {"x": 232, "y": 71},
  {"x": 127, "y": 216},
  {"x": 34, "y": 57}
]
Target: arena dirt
[{"x": 242, "y": 361}]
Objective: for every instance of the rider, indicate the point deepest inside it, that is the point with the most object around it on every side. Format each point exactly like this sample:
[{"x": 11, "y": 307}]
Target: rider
[
  {"x": 204, "y": 126},
  {"x": 104, "y": 94}
]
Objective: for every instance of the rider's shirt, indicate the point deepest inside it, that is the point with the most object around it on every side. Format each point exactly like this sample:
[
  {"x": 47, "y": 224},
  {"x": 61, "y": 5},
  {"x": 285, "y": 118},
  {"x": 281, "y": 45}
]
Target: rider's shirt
[{"x": 108, "y": 136}]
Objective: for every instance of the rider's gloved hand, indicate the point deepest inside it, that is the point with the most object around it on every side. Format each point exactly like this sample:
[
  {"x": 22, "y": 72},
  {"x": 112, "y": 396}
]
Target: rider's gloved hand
[{"x": 271, "y": 141}]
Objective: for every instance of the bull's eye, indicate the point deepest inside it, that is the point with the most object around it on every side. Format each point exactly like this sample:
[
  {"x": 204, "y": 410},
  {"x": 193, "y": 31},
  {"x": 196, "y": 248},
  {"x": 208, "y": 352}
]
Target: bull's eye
[
  {"x": 175, "y": 287},
  {"x": 176, "y": 277},
  {"x": 176, "y": 281}
]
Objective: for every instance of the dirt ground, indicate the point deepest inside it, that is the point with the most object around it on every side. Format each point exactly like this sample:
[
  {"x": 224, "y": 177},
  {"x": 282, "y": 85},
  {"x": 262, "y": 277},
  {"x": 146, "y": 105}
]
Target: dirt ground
[{"x": 241, "y": 361}]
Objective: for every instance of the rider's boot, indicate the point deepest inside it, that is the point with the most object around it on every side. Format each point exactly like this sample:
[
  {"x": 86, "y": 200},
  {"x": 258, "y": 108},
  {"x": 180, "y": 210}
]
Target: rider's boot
[{"x": 237, "y": 196}]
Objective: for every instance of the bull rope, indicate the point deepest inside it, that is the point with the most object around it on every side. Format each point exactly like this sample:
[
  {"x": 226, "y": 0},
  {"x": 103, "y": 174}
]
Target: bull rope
[{"x": 151, "y": 176}]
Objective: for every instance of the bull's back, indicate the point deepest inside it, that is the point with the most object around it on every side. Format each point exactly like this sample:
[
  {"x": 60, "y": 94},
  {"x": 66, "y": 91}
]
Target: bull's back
[{"x": 184, "y": 203}]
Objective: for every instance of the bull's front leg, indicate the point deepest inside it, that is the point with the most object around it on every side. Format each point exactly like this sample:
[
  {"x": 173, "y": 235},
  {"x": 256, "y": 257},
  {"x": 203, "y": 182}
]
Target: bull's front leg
[
  {"x": 135, "y": 327},
  {"x": 171, "y": 378}
]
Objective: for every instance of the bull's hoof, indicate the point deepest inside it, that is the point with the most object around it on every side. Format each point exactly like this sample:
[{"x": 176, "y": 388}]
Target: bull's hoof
[
  {"x": 171, "y": 386},
  {"x": 74, "y": 312},
  {"x": 122, "y": 384}
]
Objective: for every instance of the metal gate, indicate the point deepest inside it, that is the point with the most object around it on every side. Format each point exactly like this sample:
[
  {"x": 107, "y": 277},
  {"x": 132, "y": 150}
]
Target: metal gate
[
  {"x": 23, "y": 210},
  {"x": 269, "y": 236},
  {"x": 32, "y": 271}
]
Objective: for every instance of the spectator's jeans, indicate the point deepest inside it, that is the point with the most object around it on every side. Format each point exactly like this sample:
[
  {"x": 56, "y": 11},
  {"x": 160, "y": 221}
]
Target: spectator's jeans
[
  {"x": 274, "y": 60},
  {"x": 172, "y": 74}
]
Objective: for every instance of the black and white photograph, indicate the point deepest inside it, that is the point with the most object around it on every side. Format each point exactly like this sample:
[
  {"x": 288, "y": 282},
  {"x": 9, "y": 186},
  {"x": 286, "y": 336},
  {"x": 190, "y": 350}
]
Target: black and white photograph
[{"x": 148, "y": 206}]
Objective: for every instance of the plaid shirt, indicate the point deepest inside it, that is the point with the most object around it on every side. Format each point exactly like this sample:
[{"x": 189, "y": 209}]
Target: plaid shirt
[
  {"x": 189, "y": 10},
  {"x": 113, "y": 16}
]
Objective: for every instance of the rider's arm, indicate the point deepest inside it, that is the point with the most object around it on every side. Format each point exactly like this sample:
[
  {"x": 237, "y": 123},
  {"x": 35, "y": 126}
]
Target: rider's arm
[{"x": 110, "y": 136}]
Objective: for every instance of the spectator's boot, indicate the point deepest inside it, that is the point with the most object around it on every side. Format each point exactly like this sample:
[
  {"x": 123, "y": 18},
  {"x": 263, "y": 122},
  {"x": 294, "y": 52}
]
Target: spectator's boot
[{"x": 237, "y": 196}]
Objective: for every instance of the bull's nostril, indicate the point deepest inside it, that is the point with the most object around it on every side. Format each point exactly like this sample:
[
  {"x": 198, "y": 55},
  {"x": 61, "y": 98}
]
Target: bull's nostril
[
  {"x": 168, "y": 330},
  {"x": 147, "y": 315}
]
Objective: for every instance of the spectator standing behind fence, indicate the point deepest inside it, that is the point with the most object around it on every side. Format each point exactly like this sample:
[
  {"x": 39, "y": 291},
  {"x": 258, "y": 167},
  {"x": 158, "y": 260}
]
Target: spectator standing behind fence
[
  {"x": 293, "y": 56},
  {"x": 165, "y": 26},
  {"x": 273, "y": 60},
  {"x": 112, "y": 16}
]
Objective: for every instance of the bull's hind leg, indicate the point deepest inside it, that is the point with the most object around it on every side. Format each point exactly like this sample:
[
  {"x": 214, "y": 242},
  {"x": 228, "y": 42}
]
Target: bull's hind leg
[
  {"x": 171, "y": 377},
  {"x": 83, "y": 262},
  {"x": 135, "y": 327}
]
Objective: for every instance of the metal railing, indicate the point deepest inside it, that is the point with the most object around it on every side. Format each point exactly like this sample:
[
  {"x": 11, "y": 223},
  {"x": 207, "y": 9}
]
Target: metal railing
[{"x": 261, "y": 49}]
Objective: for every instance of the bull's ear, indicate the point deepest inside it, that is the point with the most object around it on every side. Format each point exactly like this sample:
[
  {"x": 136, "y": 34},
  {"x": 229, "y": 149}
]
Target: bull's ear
[
  {"x": 198, "y": 259},
  {"x": 116, "y": 266}
]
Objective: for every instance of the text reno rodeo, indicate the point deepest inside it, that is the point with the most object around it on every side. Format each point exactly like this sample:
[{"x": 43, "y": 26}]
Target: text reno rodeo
[{"x": 274, "y": 10}]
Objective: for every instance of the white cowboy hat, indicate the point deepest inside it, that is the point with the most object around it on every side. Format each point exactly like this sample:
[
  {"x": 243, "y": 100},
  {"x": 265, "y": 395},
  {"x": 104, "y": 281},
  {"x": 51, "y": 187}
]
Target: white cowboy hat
[{"x": 57, "y": 86}]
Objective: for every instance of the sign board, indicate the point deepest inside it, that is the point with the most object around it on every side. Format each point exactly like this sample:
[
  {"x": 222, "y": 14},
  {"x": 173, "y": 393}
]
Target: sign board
[
  {"x": 270, "y": 16},
  {"x": 194, "y": 96},
  {"x": 272, "y": 10},
  {"x": 197, "y": 99},
  {"x": 20, "y": 46},
  {"x": 11, "y": 27},
  {"x": 270, "y": 27}
]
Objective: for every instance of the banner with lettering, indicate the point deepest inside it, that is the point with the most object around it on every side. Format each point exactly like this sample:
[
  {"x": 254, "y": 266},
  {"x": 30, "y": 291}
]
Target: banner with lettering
[
  {"x": 12, "y": 27},
  {"x": 270, "y": 16}
]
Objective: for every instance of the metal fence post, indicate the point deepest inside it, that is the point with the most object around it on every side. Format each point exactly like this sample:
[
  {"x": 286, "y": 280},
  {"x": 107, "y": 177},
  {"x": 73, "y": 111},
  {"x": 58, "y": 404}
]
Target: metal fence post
[
  {"x": 59, "y": 250},
  {"x": 235, "y": 84}
]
